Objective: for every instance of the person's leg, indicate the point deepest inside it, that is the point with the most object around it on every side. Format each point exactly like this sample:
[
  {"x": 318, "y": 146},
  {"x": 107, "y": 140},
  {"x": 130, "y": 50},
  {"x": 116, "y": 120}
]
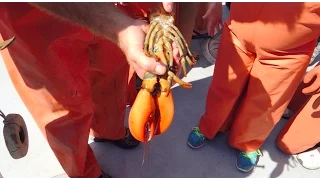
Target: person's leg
[
  {"x": 275, "y": 76},
  {"x": 269, "y": 92},
  {"x": 302, "y": 131},
  {"x": 109, "y": 81},
  {"x": 283, "y": 55},
  {"x": 300, "y": 136},
  {"x": 230, "y": 75},
  {"x": 49, "y": 69}
]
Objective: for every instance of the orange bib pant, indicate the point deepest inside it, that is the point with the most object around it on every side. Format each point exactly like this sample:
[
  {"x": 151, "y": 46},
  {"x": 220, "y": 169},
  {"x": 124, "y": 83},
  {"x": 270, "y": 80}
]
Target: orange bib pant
[{"x": 264, "y": 52}]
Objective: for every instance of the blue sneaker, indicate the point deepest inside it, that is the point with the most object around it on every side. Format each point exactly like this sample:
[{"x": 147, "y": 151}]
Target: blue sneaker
[
  {"x": 196, "y": 139},
  {"x": 247, "y": 160}
]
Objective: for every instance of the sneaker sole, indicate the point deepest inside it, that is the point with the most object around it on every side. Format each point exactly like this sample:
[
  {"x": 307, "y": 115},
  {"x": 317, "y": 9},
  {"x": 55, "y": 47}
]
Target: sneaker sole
[
  {"x": 306, "y": 166},
  {"x": 195, "y": 147}
]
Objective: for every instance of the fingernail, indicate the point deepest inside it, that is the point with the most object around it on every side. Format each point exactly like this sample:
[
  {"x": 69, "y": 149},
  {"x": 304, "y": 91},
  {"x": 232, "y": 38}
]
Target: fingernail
[{"x": 160, "y": 69}]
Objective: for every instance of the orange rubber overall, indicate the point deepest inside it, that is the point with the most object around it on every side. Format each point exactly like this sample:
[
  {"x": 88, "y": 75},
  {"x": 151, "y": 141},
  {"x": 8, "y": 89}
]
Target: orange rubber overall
[
  {"x": 132, "y": 89},
  {"x": 264, "y": 52},
  {"x": 301, "y": 132},
  {"x": 70, "y": 81}
]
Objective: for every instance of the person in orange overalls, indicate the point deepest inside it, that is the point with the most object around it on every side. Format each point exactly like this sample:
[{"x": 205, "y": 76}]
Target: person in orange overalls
[
  {"x": 263, "y": 54},
  {"x": 68, "y": 64},
  {"x": 301, "y": 136}
]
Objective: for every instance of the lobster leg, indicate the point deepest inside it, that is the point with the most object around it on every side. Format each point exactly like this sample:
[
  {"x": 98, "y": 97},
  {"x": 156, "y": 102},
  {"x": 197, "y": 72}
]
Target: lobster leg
[
  {"x": 181, "y": 51},
  {"x": 171, "y": 74},
  {"x": 159, "y": 51},
  {"x": 184, "y": 46},
  {"x": 6, "y": 43},
  {"x": 169, "y": 79},
  {"x": 146, "y": 42},
  {"x": 183, "y": 60},
  {"x": 152, "y": 38},
  {"x": 179, "y": 81},
  {"x": 174, "y": 39},
  {"x": 182, "y": 38},
  {"x": 168, "y": 48}
]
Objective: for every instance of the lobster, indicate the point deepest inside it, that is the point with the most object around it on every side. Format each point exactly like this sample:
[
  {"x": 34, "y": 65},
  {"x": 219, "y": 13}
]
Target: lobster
[{"x": 153, "y": 109}]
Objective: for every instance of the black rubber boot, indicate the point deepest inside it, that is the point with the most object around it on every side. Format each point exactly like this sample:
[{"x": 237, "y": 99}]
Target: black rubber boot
[{"x": 128, "y": 142}]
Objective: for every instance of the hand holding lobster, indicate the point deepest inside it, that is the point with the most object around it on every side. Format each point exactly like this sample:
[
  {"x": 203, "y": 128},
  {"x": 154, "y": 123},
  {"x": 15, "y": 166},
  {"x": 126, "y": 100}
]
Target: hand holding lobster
[{"x": 153, "y": 110}]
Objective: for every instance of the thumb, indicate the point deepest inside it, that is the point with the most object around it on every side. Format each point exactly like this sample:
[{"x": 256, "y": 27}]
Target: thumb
[
  {"x": 168, "y": 6},
  {"x": 143, "y": 25},
  {"x": 147, "y": 63}
]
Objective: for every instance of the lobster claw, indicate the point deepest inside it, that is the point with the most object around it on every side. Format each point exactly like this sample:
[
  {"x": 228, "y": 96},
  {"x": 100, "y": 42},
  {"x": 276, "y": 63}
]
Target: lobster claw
[
  {"x": 150, "y": 116},
  {"x": 165, "y": 104},
  {"x": 153, "y": 109},
  {"x": 142, "y": 121}
]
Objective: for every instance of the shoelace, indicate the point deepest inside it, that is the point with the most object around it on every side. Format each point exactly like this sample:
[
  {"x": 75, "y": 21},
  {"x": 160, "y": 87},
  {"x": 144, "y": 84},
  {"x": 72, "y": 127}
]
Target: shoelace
[
  {"x": 197, "y": 131},
  {"x": 251, "y": 154}
]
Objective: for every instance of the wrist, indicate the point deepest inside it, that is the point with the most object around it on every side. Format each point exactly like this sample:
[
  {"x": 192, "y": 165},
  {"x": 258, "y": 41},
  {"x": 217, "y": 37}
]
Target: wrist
[{"x": 122, "y": 34}]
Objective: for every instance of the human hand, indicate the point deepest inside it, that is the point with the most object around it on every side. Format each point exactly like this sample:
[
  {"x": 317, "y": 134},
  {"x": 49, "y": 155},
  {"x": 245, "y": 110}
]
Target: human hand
[
  {"x": 314, "y": 87},
  {"x": 213, "y": 17},
  {"x": 131, "y": 42}
]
